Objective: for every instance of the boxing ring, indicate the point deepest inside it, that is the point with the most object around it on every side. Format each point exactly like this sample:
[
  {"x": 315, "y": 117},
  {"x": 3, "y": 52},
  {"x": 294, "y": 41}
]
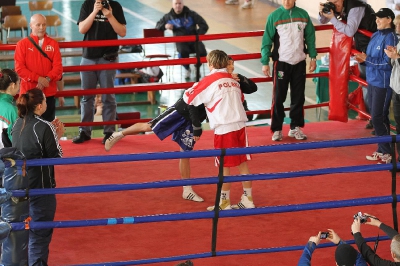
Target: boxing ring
[{"x": 215, "y": 180}]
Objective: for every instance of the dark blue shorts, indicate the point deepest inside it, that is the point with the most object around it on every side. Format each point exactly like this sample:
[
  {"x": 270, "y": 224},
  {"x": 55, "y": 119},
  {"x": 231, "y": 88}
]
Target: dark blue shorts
[{"x": 172, "y": 123}]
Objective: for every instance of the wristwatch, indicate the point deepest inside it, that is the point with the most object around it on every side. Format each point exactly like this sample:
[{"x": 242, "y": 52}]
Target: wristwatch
[
  {"x": 48, "y": 79},
  {"x": 313, "y": 59}
]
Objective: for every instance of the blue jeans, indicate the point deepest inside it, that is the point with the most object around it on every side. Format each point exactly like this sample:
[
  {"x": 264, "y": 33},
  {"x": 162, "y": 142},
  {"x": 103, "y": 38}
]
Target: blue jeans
[
  {"x": 41, "y": 208},
  {"x": 90, "y": 79}
]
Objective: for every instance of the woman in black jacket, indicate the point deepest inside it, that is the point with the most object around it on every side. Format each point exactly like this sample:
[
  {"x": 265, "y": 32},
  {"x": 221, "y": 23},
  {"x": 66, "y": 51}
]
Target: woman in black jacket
[{"x": 37, "y": 138}]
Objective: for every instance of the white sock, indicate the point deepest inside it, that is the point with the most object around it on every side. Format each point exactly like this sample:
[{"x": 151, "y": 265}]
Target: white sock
[
  {"x": 247, "y": 192},
  {"x": 225, "y": 194},
  {"x": 187, "y": 188}
]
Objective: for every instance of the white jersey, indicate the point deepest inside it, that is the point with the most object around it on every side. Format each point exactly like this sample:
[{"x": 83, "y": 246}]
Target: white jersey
[{"x": 223, "y": 100}]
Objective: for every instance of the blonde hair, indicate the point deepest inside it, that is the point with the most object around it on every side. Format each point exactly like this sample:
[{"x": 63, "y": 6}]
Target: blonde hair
[
  {"x": 396, "y": 20},
  {"x": 217, "y": 59}
]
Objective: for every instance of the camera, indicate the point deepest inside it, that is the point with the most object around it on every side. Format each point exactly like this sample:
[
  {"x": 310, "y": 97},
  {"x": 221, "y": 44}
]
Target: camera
[
  {"x": 105, "y": 4},
  {"x": 324, "y": 235},
  {"x": 363, "y": 218},
  {"x": 328, "y": 6}
]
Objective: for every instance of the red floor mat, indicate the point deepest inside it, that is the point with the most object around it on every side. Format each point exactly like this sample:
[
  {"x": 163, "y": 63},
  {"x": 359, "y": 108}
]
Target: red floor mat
[{"x": 164, "y": 239}]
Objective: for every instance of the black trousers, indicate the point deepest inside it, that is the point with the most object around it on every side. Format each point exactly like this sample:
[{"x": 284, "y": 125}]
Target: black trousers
[
  {"x": 285, "y": 75},
  {"x": 186, "y": 48},
  {"x": 50, "y": 113}
]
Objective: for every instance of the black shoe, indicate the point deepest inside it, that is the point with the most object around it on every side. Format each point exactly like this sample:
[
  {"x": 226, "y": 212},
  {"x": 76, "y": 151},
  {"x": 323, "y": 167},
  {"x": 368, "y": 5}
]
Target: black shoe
[
  {"x": 106, "y": 136},
  {"x": 82, "y": 137},
  {"x": 369, "y": 125}
]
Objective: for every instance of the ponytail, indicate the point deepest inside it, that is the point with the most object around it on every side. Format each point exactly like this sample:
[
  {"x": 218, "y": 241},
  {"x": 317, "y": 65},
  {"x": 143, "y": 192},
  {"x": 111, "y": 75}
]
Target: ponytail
[{"x": 26, "y": 103}]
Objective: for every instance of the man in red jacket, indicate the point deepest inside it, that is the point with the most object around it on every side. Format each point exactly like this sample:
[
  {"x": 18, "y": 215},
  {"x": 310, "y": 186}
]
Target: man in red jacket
[{"x": 39, "y": 69}]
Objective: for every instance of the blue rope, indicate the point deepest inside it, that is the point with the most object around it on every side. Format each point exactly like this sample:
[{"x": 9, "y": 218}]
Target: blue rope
[
  {"x": 222, "y": 253},
  {"x": 203, "y": 181},
  {"x": 206, "y": 153},
  {"x": 206, "y": 215}
]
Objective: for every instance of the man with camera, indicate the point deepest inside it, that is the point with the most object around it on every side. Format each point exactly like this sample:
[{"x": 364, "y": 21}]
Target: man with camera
[
  {"x": 345, "y": 255},
  {"x": 99, "y": 20},
  {"x": 370, "y": 256}
]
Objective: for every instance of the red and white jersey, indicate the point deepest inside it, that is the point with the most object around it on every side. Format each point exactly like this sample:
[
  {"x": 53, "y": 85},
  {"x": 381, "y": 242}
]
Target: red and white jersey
[{"x": 223, "y": 99}]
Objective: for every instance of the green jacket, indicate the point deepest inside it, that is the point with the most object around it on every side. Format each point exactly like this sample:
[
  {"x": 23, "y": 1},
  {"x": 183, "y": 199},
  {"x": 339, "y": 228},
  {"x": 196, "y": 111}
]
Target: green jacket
[
  {"x": 8, "y": 113},
  {"x": 291, "y": 33}
]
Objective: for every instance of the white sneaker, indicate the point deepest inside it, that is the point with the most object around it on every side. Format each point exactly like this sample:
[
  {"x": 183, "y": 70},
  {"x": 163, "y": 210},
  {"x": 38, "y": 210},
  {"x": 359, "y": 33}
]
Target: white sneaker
[
  {"x": 297, "y": 133},
  {"x": 188, "y": 72},
  {"x": 189, "y": 194},
  {"x": 114, "y": 138},
  {"x": 386, "y": 158},
  {"x": 232, "y": 2},
  {"x": 247, "y": 4},
  {"x": 374, "y": 157},
  {"x": 277, "y": 136},
  {"x": 245, "y": 203},
  {"x": 223, "y": 205}
]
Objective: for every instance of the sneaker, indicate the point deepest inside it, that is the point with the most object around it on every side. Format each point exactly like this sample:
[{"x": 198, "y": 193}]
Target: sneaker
[
  {"x": 376, "y": 156},
  {"x": 232, "y": 2},
  {"x": 385, "y": 159},
  {"x": 188, "y": 72},
  {"x": 112, "y": 139},
  {"x": 106, "y": 136},
  {"x": 247, "y": 4},
  {"x": 223, "y": 205},
  {"x": 245, "y": 203},
  {"x": 189, "y": 194},
  {"x": 277, "y": 136},
  {"x": 82, "y": 137},
  {"x": 297, "y": 133}
]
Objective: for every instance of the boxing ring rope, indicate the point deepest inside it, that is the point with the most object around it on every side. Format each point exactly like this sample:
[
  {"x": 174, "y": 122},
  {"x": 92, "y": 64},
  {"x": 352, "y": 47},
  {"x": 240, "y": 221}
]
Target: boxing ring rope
[
  {"x": 18, "y": 226},
  {"x": 169, "y": 62},
  {"x": 198, "y": 154}
]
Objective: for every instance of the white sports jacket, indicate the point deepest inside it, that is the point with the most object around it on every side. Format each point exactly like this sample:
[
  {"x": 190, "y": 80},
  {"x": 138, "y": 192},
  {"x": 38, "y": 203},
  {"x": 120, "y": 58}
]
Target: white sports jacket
[{"x": 222, "y": 97}]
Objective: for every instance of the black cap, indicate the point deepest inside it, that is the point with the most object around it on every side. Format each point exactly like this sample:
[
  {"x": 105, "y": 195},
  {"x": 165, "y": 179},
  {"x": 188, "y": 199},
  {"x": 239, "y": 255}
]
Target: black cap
[
  {"x": 345, "y": 255},
  {"x": 385, "y": 12}
]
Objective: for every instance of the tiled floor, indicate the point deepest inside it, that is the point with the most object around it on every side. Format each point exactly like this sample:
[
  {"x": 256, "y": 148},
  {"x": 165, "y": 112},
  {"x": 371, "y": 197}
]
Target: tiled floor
[{"x": 145, "y": 13}]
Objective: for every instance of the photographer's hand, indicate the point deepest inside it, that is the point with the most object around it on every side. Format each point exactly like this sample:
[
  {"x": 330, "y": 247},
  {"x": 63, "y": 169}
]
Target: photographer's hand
[
  {"x": 315, "y": 239},
  {"x": 356, "y": 226},
  {"x": 373, "y": 220},
  {"x": 333, "y": 237}
]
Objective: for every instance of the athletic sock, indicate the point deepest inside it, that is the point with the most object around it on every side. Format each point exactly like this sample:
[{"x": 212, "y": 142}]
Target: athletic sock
[
  {"x": 225, "y": 194},
  {"x": 247, "y": 192},
  {"x": 186, "y": 188}
]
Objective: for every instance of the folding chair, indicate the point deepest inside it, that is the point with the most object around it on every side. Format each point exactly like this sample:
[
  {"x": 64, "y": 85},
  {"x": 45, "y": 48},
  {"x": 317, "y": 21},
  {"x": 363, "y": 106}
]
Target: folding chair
[
  {"x": 13, "y": 23},
  {"x": 151, "y": 33},
  {"x": 8, "y": 10},
  {"x": 40, "y": 6},
  {"x": 52, "y": 22}
]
